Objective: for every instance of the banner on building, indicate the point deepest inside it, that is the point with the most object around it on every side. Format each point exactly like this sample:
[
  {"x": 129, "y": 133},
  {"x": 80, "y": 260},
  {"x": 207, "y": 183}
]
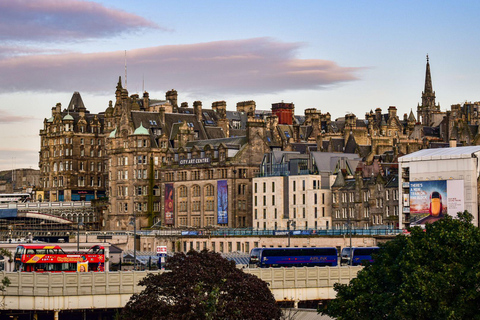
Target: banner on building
[
  {"x": 222, "y": 202},
  {"x": 431, "y": 200},
  {"x": 169, "y": 196}
]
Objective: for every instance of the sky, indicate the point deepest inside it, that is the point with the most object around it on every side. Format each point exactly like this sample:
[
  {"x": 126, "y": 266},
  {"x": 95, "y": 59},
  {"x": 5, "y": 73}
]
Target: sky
[{"x": 335, "y": 56}]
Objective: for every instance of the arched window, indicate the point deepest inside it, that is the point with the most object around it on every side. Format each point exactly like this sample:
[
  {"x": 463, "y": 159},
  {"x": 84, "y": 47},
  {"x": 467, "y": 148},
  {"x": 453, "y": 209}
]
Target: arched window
[
  {"x": 195, "y": 191},
  {"x": 209, "y": 190},
  {"x": 182, "y": 191}
]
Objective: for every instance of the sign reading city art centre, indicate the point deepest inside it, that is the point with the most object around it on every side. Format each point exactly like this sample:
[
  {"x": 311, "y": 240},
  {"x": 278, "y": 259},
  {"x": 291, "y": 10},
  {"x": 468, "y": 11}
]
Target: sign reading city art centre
[{"x": 184, "y": 162}]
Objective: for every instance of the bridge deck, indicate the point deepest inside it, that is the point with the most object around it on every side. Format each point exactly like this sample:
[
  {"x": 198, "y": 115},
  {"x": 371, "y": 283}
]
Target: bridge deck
[{"x": 62, "y": 291}]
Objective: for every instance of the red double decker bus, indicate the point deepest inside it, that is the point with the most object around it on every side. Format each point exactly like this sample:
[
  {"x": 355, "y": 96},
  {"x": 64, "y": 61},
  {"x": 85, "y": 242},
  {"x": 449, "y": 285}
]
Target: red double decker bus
[{"x": 52, "y": 258}]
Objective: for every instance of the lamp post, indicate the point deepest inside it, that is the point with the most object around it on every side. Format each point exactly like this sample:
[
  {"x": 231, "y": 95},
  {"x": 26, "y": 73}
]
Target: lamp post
[{"x": 134, "y": 222}]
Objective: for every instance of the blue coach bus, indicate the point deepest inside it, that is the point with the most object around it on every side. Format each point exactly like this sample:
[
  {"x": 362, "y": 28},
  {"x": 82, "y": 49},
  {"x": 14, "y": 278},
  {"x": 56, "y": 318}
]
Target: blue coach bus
[
  {"x": 359, "y": 254},
  {"x": 294, "y": 257}
]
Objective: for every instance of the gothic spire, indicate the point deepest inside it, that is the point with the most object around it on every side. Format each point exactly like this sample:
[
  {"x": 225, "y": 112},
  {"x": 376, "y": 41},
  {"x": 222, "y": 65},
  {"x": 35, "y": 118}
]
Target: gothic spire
[
  {"x": 428, "y": 80},
  {"x": 428, "y": 95}
]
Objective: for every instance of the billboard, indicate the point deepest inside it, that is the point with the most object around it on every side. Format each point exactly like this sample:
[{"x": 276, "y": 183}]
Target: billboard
[
  {"x": 169, "y": 192},
  {"x": 222, "y": 202},
  {"x": 431, "y": 200}
]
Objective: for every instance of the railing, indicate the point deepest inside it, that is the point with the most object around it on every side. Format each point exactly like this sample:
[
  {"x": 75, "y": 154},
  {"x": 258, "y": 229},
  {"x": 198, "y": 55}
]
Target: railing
[{"x": 218, "y": 232}]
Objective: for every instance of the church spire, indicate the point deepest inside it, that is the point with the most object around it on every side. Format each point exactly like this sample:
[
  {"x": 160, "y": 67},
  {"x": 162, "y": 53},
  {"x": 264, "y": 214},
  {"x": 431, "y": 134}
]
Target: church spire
[{"x": 428, "y": 80}]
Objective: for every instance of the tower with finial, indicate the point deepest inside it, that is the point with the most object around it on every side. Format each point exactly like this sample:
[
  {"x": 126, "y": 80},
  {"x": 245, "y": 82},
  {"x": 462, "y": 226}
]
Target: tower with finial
[{"x": 428, "y": 108}]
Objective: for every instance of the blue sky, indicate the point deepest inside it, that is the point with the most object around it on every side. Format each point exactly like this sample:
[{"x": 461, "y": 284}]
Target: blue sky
[{"x": 336, "y": 56}]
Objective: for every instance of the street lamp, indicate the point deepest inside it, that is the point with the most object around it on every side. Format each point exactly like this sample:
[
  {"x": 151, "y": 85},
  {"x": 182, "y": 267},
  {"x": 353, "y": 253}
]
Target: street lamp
[
  {"x": 79, "y": 223},
  {"x": 134, "y": 222}
]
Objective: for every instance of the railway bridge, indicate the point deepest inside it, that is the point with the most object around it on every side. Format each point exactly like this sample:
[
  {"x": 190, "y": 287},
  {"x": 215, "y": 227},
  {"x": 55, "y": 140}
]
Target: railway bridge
[{"x": 57, "y": 293}]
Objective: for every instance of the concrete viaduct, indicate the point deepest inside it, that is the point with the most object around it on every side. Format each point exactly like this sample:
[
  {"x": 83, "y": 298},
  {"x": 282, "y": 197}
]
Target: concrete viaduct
[{"x": 57, "y": 292}]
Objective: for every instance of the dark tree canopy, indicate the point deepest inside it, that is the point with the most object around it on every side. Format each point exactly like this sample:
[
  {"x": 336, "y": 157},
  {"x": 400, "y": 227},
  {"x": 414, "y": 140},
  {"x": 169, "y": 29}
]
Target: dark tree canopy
[
  {"x": 429, "y": 274},
  {"x": 202, "y": 285}
]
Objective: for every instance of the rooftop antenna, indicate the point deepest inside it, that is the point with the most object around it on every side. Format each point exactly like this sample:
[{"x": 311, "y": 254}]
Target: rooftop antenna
[{"x": 125, "y": 69}]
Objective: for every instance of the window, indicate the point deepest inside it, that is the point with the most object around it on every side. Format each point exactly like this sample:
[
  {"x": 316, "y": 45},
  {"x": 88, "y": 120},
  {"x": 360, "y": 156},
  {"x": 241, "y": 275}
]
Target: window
[
  {"x": 209, "y": 190},
  {"x": 183, "y": 191},
  {"x": 196, "y": 191}
]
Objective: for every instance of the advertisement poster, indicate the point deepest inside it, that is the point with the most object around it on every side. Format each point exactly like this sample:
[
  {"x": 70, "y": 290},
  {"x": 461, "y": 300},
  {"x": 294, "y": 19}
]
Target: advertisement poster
[
  {"x": 431, "y": 200},
  {"x": 222, "y": 202},
  {"x": 82, "y": 266},
  {"x": 406, "y": 200},
  {"x": 169, "y": 203}
]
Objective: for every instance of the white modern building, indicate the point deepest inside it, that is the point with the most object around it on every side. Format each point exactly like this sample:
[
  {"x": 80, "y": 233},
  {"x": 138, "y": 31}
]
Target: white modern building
[
  {"x": 435, "y": 182},
  {"x": 293, "y": 191},
  {"x": 282, "y": 202}
]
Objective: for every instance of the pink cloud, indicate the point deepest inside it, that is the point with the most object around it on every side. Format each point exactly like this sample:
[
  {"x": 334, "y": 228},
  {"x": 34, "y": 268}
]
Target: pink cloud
[
  {"x": 64, "y": 20},
  {"x": 260, "y": 65},
  {"x": 6, "y": 117}
]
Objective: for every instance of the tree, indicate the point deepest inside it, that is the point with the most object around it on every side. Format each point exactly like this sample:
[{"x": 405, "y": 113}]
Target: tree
[
  {"x": 202, "y": 285},
  {"x": 429, "y": 274}
]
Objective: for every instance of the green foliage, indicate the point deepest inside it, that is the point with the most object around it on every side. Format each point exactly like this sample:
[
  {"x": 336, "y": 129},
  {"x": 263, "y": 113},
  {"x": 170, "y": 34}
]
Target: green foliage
[
  {"x": 429, "y": 274},
  {"x": 5, "y": 283},
  {"x": 6, "y": 253},
  {"x": 202, "y": 285}
]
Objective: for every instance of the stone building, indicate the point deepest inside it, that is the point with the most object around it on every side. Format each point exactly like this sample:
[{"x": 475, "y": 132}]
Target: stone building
[
  {"x": 19, "y": 181},
  {"x": 367, "y": 198},
  {"x": 178, "y": 166},
  {"x": 163, "y": 163},
  {"x": 72, "y": 157}
]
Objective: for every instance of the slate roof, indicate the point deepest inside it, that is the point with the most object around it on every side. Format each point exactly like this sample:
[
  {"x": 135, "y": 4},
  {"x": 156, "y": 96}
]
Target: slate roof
[
  {"x": 174, "y": 118},
  {"x": 214, "y": 132},
  {"x": 76, "y": 102},
  {"x": 236, "y": 142},
  {"x": 327, "y": 161}
]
